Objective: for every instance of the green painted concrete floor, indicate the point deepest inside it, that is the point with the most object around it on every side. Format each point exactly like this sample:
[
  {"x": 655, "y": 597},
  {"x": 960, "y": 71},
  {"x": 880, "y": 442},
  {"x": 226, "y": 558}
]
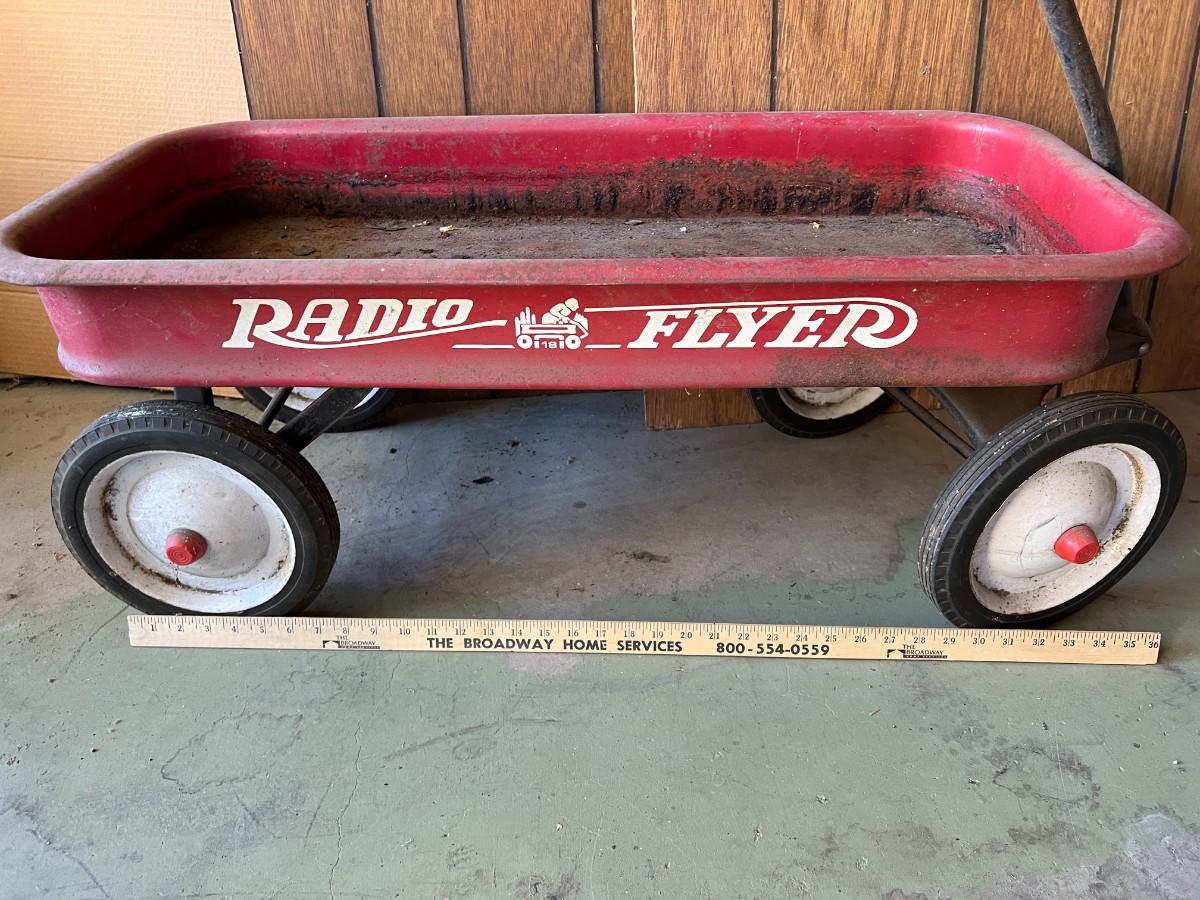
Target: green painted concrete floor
[{"x": 157, "y": 773}]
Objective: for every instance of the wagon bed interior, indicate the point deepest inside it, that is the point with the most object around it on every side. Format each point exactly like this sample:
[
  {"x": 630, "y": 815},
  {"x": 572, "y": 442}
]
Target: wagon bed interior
[
  {"x": 450, "y": 234},
  {"x": 679, "y": 208},
  {"x": 731, "y": 216},
  {"x": 745, "y": 186}
]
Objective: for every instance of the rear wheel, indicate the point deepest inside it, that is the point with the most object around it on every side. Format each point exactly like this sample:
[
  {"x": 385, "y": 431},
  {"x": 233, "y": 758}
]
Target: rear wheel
[
  {"x": 812, "y": 412},
  {"x": 1052, "y": 511},
  {"x": 364, "y": 415},
  {"x": 182, "y": 508}
]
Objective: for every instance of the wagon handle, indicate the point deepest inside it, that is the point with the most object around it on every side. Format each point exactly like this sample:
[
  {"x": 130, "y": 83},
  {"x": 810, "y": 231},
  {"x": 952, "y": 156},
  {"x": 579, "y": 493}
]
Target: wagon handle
[
  {"x": 1087, "y": 88},
  {"x": 1129, "y": 333}
]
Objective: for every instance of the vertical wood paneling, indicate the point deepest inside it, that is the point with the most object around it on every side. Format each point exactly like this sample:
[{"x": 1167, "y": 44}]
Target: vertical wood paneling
[
  {"x": 1148, "y": 86},
  {"x": 1147, "y": 90},
  {"x": 420, "y": 69},
  {"x": 714, "y": 58},
  {"x": 864, "y": 54},
  {"x": 529, "y": 56},
  {"x": 1020, "y": 76},
  {"x": 1175, "y": 361},
  {"x": 306, "y": 58},
  {"x": 614, "y": 48},
  {"x": 685, "y": 59}
]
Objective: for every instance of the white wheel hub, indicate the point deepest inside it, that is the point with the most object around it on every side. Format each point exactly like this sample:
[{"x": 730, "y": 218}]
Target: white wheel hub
[
  {"x": 829, "y": 403},
  {"x": 301, "y": 398},
  {"x": 1113, "y": 489},
  {"x": 137, "y": 502}
]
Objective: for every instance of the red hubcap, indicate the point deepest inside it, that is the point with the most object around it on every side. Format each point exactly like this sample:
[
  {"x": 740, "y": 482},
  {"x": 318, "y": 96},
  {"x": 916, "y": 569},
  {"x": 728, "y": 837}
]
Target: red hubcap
[
  {"x": 184, "y": 546},
  {"x": 1077, "y": 545}
]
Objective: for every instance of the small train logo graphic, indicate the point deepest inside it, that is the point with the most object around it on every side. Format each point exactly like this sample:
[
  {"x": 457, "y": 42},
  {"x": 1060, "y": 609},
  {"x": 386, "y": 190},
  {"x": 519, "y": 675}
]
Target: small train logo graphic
[{"x": 562, "y": 328}]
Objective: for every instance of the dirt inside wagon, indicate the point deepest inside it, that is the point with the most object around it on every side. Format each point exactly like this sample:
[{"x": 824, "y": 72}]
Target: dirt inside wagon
[
  {"x": 669, "y": 209},
  {"x": 283, "y": 236}
]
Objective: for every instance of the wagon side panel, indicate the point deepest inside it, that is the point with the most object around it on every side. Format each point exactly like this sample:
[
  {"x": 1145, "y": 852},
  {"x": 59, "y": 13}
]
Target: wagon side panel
[{"x": 592, "y": 337}]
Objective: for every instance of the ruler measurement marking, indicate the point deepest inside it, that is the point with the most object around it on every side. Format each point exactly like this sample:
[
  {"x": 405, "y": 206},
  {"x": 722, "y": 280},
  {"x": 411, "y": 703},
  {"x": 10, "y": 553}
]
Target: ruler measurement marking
[{"x": 720, "y": 639}]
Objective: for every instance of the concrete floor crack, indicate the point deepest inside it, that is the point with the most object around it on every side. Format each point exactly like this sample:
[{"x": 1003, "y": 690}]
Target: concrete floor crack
[
  {"x": 88, "y": 639},
  {"x": 349, "y": 799},
  {"x": 35, "y": 831}
]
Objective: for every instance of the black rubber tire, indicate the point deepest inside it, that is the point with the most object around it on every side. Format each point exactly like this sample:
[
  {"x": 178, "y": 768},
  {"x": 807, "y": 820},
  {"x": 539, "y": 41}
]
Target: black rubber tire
[
  {"x": 775, "y": 412},
  {"x": 362, "y": 416},
  {"x": 989, "y": 475},
  {"x": 279, "y": 470}
]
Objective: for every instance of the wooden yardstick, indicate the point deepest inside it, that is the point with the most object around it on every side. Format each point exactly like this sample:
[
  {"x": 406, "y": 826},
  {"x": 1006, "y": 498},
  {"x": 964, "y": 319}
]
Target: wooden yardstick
[{"x": 813, "y": 642}]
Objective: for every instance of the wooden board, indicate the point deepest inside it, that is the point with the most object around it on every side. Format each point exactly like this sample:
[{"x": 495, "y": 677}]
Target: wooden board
[
  {"x": 1147, "y": 90},
  {"x": 812, "y": 643},
  {"x": 688, "y": 59},
  {"x": 698, "y": 408},
  {"x": 529, "y": 56},
  {"x": 684, "y": 61},
  {"x": 306, "y": 58},
  {"x": 420, "y": 68},
  {"x": 1031, "y": 87},
  {"x": 614, "y": 55},
  {"x": 1175, "y": 360},
  {"x": 863, "y": 54}
]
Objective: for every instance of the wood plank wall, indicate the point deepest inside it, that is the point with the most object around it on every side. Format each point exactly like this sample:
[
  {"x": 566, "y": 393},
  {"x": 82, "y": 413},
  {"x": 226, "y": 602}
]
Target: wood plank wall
[
  {"x": 411, "y": 57},
  {"x": 420, "y": 57}
]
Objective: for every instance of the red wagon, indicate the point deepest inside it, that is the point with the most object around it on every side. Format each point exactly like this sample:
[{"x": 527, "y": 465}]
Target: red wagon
[{"x": 855, "y": 254}]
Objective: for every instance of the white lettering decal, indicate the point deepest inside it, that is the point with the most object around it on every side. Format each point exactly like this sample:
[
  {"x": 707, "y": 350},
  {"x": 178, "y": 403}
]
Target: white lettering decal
[
  {"x": 657, "y": 325},
  {"x": 245, "y": 328},
  {"x": 451, "y": 312},
  {"x": 691, "y": 338},
  {"x": 379, "y": 320},
  {"x": 803, "y": 319},
  {"x": 875, "y": 323},
  {"x": 418, "y": 308},
  {"x": 867, "y": 334},
  {"x": 328, "y": 313},
  {"x": 386, "y": 310},
  {"x": 749, "y": 325}
]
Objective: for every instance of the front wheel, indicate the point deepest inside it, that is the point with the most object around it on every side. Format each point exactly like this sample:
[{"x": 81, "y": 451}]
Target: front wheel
[
  {"x": 183, "y": 508},
  {"x": 1052, "y": 511},
  {"x": 816, "y": 412}
]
